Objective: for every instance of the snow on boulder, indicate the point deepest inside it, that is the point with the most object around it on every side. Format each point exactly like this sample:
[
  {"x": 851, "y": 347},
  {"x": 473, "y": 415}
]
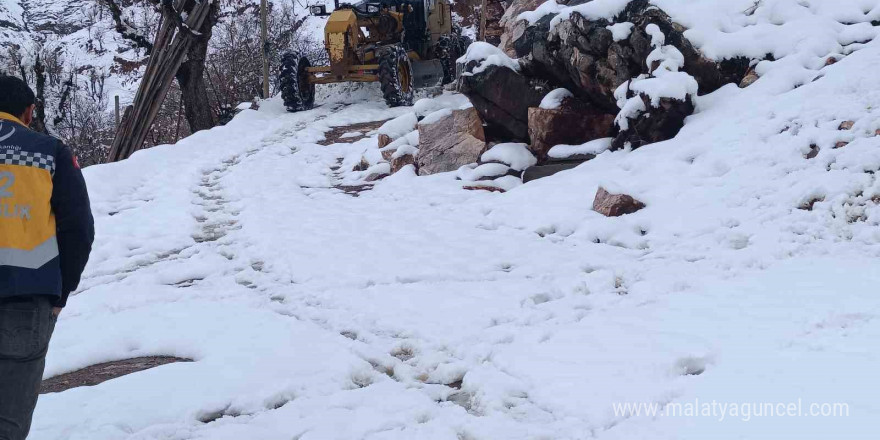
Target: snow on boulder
[
  {"x": 486, "y": 171},
  {"x": 402, "y": 152},
  {"x": 396, "y": 128},
  {"x": 514, "y": 155},
  {"x": 377, "y": 172},
  {"x": 585, "y": 151},
  {"x": 553, "y": 100},
  {"x": 653, "y": 106},
  {"x": 571, "y": 122},
  {"x": 499, "y": 167},
  {"x": 411, "y": 139},
  {"x": 620, "y": 31},
  {"x": 583, "y": 49},
  {"x": 482, "y": 55},
  {"x": 402, "y": 158},
  {"x": 615, "y": 205},
  {"x": 426, "y": 106},
  {"x": 436, "y": 116}
]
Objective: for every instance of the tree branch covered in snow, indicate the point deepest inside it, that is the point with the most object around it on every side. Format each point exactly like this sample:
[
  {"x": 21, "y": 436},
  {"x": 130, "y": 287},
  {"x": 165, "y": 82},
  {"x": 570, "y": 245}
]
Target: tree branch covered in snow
[
  {"x": 178, "y": 18},
  {"x": 126, "y": 29}
]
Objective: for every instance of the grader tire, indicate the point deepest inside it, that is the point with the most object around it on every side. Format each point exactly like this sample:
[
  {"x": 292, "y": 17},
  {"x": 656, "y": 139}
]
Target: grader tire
[
  {"x": 296, "y": 91},
  {"x": 447, "y": 50},
  {"x": 395, "y": 76}
]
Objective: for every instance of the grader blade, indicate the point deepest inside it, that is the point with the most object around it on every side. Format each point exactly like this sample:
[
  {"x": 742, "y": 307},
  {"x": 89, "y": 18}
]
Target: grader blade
[{"x": 427, "y": 73}]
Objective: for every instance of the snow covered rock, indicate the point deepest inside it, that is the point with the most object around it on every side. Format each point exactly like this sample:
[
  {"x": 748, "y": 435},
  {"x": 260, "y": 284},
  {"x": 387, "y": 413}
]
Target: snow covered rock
[
  {"x": 570, "y": 122},
  {"x": 449, "y": 141},
  {"x": 653, "y": 106},
  {"x": 581, "y": 152},
  {"x": 384, "y": 140},
  {"x": 363, "y": 165},
  {"x": 515, "y": 156},
  {"x": 595, "y": 48},
  {"x": 401, "y": 161},
  {"x": 404, "y": 143},
  {"x": 514, "y": 27},
  {"x": 484, "y": 172},
  {"x": 396, "y": 128},
  {"x": 565, "y": 157},
  {"x": 615, "y": 205},
  {"x": 588, "y": 56},
  {"x": 500, "y": 167},
  {"x": 655, "y": 123},
  {"x": 405, "y": 155},
  {"x": 749, "y": 79},
  {"x": 377, "y": 172}
]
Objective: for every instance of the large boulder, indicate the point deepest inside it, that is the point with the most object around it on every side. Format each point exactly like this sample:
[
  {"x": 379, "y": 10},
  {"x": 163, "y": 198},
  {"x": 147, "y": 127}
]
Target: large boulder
[
  {"x": 603, "y": 62},
  {"x": 502, "y": 96},
  {"x": 494, "y": 13},
  {"x": 449, "y": 141},
  {"x": 592, "y": 58},
  {"x": 572, "y": 122},
  {"x": 513, "y": 27},
  {"x": 655, "y": 124},
  {"x": 597, "y": 58}
]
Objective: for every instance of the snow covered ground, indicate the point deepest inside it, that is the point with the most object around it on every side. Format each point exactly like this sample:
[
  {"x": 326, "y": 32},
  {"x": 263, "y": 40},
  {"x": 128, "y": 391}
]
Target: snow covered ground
[{"x": 419, "y": 310}]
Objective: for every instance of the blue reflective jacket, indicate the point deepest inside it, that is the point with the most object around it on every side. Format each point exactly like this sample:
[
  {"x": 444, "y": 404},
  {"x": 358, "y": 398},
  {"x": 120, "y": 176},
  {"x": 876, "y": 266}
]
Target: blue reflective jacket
[{"x": 46, "y": 224}]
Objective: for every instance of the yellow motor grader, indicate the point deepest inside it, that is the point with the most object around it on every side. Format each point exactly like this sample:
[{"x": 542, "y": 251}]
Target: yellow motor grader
[{"x": 402, "y": 44}]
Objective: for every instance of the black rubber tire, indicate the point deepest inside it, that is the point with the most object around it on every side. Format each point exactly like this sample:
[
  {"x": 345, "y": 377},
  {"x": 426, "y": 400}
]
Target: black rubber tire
[
  {"x": 463, "y": 42},
  {"x": 397, "y": 89},
  {"x": 447, "y": 50},
  {"x": 297, "y": 93}
]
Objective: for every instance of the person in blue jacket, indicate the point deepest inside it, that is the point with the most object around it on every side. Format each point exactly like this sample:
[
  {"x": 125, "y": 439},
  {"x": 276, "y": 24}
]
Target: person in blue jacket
[{"x": 46, "y": 234}]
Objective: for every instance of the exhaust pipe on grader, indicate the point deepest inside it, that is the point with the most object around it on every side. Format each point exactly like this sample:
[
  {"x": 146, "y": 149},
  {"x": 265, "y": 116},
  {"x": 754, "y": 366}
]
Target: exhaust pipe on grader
[{"x": 402, "y": 44}]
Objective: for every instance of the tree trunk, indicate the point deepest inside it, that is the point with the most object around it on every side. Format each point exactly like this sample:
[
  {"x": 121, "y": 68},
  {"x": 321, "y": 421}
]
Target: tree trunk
[
  {"x": 172, "y": 42},
  {"x": 191, "y": 79},
  {"x": 39, "y": 123}
]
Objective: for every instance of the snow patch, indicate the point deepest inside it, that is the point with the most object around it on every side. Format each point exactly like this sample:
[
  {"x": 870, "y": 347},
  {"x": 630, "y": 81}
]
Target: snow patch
[
  {"x": 399, "y": 126},
  {"x": 436, "y": 116},
  {"x": 621, "y": 31},
  {"x": 595, "y": 147},
  {"x": 487, "y": 55},
  {"x": 553, "y": 100},
  {"x": 516, "y": 155}
]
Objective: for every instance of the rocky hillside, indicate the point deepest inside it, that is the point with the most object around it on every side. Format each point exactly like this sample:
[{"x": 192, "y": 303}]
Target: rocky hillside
[{"x": 80, "y": 32}]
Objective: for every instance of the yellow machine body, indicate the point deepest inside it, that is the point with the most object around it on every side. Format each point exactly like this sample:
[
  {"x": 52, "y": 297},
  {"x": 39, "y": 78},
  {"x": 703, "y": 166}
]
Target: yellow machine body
[
  {"x": 440, "y": 20},
  {"x": 351, "y": 41}
]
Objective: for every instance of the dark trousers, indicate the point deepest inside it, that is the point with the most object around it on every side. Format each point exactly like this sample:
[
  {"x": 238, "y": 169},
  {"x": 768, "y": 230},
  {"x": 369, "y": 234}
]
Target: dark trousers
[{"x": 26, "y": 325}]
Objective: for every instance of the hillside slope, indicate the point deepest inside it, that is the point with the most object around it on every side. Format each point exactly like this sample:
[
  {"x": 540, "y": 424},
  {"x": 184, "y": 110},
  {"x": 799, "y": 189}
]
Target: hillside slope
[{"x": 419, "y": 310}]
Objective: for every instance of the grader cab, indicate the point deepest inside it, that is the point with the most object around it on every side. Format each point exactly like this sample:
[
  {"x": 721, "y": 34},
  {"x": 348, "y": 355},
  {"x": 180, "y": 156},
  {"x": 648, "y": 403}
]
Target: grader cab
[{"x": 402, "y": 44}]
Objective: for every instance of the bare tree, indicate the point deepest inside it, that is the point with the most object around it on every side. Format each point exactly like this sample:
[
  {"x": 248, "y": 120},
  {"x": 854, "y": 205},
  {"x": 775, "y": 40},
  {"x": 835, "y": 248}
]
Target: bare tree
[
  {"x": 191, "y": 78},
  {"x": 173, "y": 40},
  {"x": 234, "y": 60}
]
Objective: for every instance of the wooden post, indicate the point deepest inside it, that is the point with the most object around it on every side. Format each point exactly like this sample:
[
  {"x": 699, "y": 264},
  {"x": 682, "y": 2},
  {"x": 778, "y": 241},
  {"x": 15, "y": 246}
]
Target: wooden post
[
  {"x": 483, "y": 8},
  {"x": 117, "y": 112},
  {"x": 264, "y": 36}
]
